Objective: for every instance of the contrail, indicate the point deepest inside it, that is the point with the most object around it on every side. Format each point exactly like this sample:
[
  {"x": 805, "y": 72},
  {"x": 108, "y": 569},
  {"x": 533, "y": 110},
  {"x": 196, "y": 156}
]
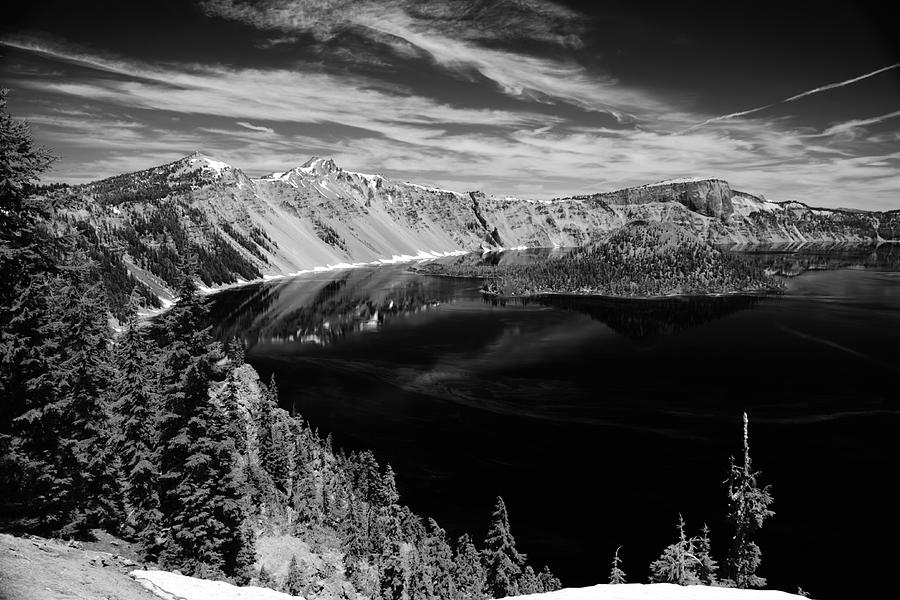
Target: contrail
[{"x": 823, "y": 88}]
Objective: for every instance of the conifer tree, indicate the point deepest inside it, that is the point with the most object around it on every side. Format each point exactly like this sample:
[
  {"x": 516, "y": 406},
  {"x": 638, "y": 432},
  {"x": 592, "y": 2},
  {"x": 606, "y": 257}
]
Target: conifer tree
[
  {"x": 677, "y": 564},
  {"x": 468, "y": 573},
  {"x": 295, "y": 581},
  {"x": 616, "y": 574},
  {"x": 265, "y": 579},
  {"x": 201, "y": 494},
  {"x": 135, "y": 410},
  {"x": 549, "y": 581},
  {"x": 438, "y": 559},
  {"x": 503, "y": 563},
  {"x": 393, "y": 576},
  {"x": 706, "y": 565},
  {"x": 529, "y": 582},
  {"x": 748, "y": 509},
  {"x": 64, "y": 435}
]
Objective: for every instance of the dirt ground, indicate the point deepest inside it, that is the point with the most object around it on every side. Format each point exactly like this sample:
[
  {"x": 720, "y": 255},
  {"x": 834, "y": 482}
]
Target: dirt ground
[{"x": 33, "y": 568}]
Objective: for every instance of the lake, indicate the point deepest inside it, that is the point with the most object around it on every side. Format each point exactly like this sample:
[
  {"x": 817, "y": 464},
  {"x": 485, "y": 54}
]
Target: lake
[{"x": 600, "y": 421}]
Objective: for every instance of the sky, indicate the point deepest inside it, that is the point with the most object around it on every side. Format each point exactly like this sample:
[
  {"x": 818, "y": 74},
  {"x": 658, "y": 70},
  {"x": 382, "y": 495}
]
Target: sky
[{"x": 526, "y": 98}]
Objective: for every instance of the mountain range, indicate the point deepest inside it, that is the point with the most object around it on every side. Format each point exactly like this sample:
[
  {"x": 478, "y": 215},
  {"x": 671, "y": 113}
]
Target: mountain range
[{"x": 318, "y": 214}]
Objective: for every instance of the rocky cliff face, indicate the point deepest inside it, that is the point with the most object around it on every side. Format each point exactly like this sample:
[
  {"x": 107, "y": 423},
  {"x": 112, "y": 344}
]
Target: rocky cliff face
[
  {"x": 709, "y": 197},
  {"x": 318, "y": 214}
]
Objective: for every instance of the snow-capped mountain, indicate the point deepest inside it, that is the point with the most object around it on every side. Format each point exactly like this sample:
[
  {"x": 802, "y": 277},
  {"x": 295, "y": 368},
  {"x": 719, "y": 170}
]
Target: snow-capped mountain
[{"x": 318, "y": 214}]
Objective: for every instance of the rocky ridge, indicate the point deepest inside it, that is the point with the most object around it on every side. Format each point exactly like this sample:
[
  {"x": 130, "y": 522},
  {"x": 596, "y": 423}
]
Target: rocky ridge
[{"x": 318, "y": 215}]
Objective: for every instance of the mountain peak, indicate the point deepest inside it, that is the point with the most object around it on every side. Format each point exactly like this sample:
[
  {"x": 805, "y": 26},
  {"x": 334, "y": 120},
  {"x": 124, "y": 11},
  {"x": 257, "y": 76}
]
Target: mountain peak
[
  {"x": 198, "y": 160},
  {"x": 319, "y": 166}
]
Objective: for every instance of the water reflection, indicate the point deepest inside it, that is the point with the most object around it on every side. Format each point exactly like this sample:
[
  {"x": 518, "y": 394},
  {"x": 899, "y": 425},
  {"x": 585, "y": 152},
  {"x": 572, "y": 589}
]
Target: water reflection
[
  {"x": 637, "y": 319},
  {"x": 327, "y": 308},
  {"x": 792, "y": 260}
]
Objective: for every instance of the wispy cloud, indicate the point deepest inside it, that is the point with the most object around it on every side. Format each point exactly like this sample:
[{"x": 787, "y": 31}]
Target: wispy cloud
[
  {"x": 611, "y": 134},
  {"x": 253, "y": 127},
  {"x": 824, "y": 88},
  {"x": 849, "y": 127}
]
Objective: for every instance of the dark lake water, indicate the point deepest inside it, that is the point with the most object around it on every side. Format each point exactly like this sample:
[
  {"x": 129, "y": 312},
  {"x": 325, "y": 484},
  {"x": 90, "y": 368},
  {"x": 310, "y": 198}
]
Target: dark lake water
[{"x": 599, "y": 421}]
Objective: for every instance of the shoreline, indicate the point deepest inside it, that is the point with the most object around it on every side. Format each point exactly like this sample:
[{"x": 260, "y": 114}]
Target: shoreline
[
  {"x": 205, "y": 290},
  {"x": 753, "y": 292}
]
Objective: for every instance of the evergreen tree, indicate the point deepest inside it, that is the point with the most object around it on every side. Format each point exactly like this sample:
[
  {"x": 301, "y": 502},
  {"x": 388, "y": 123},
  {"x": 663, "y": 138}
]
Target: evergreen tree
[
  {"x": 201, "y": 493},
  {"x": 748, "y": 509},
  {"x": 135, "y": 410},
  {"x": 235, "y": 351},
  {"x": 706, "y": 565},
  {"x": 438, "y": 563},
  {"x": 503, "y": 563},
  {"x": 529, "y": 582},
  {"x": 468, "y": 573},
  {"x": 295, "y": 581},
  {"x": 677, "y": 564},
  {"x": 271, "y": 438},
  {"x": 393, "y": 579},
  {"x": 549, "y": 581},
  {"x": 265, "y": 579},
  {"x": 63, "y": 437},
  {"x": 616, "y": 574}
]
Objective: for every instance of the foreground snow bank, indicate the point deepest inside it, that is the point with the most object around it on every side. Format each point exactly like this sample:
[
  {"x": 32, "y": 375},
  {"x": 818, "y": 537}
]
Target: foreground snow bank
[
  {"x": 172, "y": 586},
  {"x": 659, "y": 591}
]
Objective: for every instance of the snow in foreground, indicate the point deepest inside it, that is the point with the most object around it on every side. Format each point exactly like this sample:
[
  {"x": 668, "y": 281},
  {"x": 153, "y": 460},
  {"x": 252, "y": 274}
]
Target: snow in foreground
[
  {"x": 172, "y": 586},
  {"x": 180, "y": 587},
  {"x": 659, "y": 591}
]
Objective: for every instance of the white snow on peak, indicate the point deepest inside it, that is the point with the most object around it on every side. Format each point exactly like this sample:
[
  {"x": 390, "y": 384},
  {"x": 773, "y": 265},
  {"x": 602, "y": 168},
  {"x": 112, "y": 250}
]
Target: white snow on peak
[
  {"x": 208, "y": 163},
  {"x": 659, "y": 591},
  {"x": 430, "y": 188}
]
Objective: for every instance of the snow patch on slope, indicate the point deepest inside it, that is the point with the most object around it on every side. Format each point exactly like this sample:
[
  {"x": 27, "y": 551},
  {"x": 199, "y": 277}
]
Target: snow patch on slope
[
  {"x": 172, "y": 586},
  {"x": 659, "y": 591}
]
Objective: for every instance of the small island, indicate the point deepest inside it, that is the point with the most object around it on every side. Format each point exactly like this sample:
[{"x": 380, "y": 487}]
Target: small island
[{"x": 639, "y": 260}]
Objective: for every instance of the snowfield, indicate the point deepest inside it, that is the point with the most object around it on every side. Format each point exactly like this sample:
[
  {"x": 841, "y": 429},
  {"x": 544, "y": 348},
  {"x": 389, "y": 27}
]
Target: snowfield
[
  {"x": 659, "y": 591},
  {"x": 180, "y": 587},
  {"x": 172, "y": 586}
]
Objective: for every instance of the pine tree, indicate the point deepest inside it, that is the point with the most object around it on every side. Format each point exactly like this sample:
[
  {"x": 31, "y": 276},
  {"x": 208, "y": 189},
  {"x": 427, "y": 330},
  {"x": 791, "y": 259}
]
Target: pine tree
[
  {"x": 201, "y": 493},
  {"x": 503, "y": 563},
  {"x": 706, "y": 565},
  {"x": 135, "y": 411},
  {"x": 265, "y": 579},
  {"x": 748, "y": 509},
  {"x": 677, "y": 564},
  {"x": 438, "y": 559},
  {"x": 393, "y": 579},
  {"x": 616, "y": 574},
  {"x": 529, "y": 582},
  {"x": 235, "y": 351},
  {"x": 549, "y": 581},
  {"x": 295, "y": 581},
  {"x": 63, "y": 437},
  {"x": 271, "y": 438},
  {"x": 468, "y": 573}
]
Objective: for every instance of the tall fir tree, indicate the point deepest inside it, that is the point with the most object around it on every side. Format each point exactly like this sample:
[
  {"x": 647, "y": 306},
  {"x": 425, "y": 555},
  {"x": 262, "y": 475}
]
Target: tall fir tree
[
  {"x": 468, "y": 572},
  {"x": 63, "y": 437},
  {"x": 616, "y": 574},
  {"x": 201, "y": 492},
  {"x": 503, "y": 562},
  {"x": 748, "y": 509},
  {"x": 135, "y": 411}
]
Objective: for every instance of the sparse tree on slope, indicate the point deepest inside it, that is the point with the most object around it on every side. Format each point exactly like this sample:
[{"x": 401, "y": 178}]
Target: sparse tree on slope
[
  {"x": 616, "y": 574},
  {"x": 707, "y": 568},
  {"x": 748, "y": 509},
  {"x": 503, "y": 563},
  {"x": 677, "y": 564}
]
